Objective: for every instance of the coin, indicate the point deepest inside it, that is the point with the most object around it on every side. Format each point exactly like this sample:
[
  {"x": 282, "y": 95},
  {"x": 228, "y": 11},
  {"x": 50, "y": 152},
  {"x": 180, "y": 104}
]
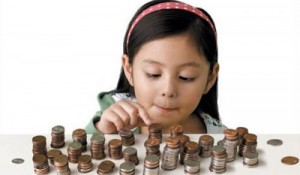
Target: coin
[
  {"x": 290, "y": 160},
  {"x": 274, "y": 142},
  {"x": 17, "y": 160}
]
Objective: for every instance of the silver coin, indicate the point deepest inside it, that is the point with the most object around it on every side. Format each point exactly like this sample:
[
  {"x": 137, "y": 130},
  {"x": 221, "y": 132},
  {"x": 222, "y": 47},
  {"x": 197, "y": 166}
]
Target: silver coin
[
  {"x": 17, "y": 160},
  {"x": 274, "y": 142}
]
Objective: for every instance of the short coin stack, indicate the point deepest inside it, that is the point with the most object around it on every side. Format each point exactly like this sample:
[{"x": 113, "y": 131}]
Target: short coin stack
[
  {"x": 250, "y": 159},
  {"x": 74, "y": 151},
  {"x": 61, "y": 165},
  {"x": 58, "y": 137},
  {"x": 52, "y": 154},
  {"x": 151, "y": 165},
  {"x": 105, "y": 167},
  {"x": 176, "y": 130},
  {"x": 127, "y": 168},
  {"x": 155, "y": 131},
  {"x": 130, "y": 155},
  {"x": 190, "y": 152},
  {"x": 230, "y": 143},
  {"x": 206, "y": 143},
  {"x": 85, "y": 164},
  {"x": 218, "y": 159},
  {"x": 40, "y": 163},
  {"x": 115, "y": 149},
  {"x": 152, "y": 146},
  {"x": 79, "y": 135},
  {"x": 97, "y": 146},
  {"x": 127, "y": 137},
  {"x": 248, "y": 144},
  {"x": 39, "y": 145},
  {"x": 191, "y": 167}
]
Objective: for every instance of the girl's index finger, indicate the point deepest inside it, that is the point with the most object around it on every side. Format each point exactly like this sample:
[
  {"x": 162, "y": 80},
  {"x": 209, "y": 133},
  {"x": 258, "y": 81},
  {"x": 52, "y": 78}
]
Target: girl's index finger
[{"x": 143, "y": 117}]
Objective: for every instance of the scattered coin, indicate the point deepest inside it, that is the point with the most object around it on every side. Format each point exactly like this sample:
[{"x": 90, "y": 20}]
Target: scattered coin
[
  {"x": 18, "y": 161},
  {"x": 274, "y": 142},
  {"x": 290, "y": 160}
]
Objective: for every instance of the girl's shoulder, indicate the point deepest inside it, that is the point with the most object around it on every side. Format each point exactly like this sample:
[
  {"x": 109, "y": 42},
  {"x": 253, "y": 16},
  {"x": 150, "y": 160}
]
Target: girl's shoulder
[{"x": 213, "y": 126}]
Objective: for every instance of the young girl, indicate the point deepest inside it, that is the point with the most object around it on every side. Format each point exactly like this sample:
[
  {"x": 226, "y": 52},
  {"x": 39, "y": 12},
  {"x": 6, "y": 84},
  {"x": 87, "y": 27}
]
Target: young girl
[{"x": 169, "y": 73}]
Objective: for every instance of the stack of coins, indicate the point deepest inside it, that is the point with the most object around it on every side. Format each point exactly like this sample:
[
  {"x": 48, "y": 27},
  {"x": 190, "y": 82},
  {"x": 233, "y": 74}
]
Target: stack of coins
[
  {"x": 61, "y": 165},
  {"x": 127, "y": 168},
  {"x": 191, "y": 167},
  {"x": 39, "y": 145},
  {"x": 85, "y": 164},
  {"x": 190, "y": 152},
  {"x": 218, "y": 159},
  {"x": 115, "y": 149},
  {"x": 97, "y": 146},
  {"x": 182, "y": 140},
  {"x": 170, "y": 154},
  {"x": 206, "y": 143},
  {"x": 155, "y": 131},
  {"x": 40, "y": 164},
  {"x": 242, "y": 131},
  {"x": 53, "y": 153},
  {"x": 176, "y": 130},
  {"x": 230, "y": 143},
  {"x": 105, "y": 167},
  {"x": 151, "y": 165},
  {"x": 58, "y": 137},
  {"x": 127, "y": 137},
  {"x": 130, "y": 155},
  {"x": 79, "y": 135},
  {"x": 74, "y": 151},
  {"x": 152, "y": 146},
  {"x": 248, "y": 144},
  {"x": 250, "y": 159}
]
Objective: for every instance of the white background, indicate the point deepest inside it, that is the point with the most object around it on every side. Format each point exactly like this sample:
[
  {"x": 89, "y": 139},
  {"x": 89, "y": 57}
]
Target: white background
[{"x": 57, "y": 55}]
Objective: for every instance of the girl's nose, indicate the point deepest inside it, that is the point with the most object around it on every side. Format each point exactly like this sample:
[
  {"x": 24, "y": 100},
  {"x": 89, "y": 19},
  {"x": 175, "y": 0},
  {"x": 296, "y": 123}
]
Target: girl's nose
[{"x": 169, "y": 89}]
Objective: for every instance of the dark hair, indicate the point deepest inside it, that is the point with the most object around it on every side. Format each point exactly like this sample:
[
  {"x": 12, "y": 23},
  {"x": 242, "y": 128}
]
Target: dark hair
[{"x": 164, "y": 23}]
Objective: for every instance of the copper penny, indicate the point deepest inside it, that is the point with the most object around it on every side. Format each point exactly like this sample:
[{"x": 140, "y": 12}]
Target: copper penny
[
  {"x": 151, "y": 142},
  {"x": 106, "y": 166},
  {"x": 115, "y": 143},
  {"x": 177, "y": 128},
  {"x": 250, "y": 137},
  {"x": 290, "y": 160},
  {"x": 85, "y": 158},
  {"x": 79, "y": 132},
  {"x": 53, "y": 153},
  {"x": 60, "y": 160},
  {"x": 206, "y": 138},
  {"x": 39, "y": 139},
  {"x": 155, "y": 127}
]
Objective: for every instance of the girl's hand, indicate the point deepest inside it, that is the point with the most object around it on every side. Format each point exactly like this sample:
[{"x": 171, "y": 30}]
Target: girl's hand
[{"x": 121, "y": 115}]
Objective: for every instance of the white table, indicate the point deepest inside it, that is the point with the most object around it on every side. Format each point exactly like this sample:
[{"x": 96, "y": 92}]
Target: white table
[{"x": 20, "y": 146}]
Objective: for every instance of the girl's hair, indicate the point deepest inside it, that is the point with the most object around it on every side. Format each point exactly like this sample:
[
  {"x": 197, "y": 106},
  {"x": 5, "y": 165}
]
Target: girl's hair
[{"x": 170, "y": 22}]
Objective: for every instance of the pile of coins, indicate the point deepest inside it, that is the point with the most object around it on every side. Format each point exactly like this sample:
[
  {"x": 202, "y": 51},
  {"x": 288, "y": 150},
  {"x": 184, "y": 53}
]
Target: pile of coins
[
  {"x": 155, "y": 131},
  {"x": 85, "y": 164},
  {"x": 79, "y": 135},
  {"x": 40, "y": 164},
  {"x": 127, "y": 137},
  {"x": 152, "y": 146},
  {"x": 97, "y": 146},
  {"x": 170, "y": 154},
  {"x": 52, "y": 154},
  {"x": 151, "y": 165},
  {"x": 250, "y": 159},
  {"x": 105, "y": 167},
  {"x": 242, "y": 131},
  {"x": 39, "y": 145},
  {"x": 218, "y": 159},
  {"x": 191, "y": 167},
  {"x": 230, "y": 143},
  {"x": 248, "y": 144},
  {"x": 130, "y": 155},
  {"x": 61, "y": 165},
  {"x": 127, "y": 168},
  {"x": 74, "y": 151},
  {"x": 58, "y": 137},
  {"x": 190, "y": 152},
  {"x": 176, "y": 130},
  {"x": 206, "y": 143},
  {"x": 115, "y": 149}
]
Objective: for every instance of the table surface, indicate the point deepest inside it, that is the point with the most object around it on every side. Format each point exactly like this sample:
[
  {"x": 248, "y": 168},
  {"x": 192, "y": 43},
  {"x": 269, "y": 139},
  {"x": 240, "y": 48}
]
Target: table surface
[{"x": 20, "y": 146}]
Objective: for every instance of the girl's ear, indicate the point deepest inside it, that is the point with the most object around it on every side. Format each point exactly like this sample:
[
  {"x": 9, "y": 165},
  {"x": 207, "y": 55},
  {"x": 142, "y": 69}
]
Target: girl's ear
[
  {"x": 212, "y": 77},
  {"x": 127, "y": 68}
]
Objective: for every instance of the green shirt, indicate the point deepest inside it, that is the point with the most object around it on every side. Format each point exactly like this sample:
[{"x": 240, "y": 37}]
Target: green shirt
[{"x": 213, "y": 126}]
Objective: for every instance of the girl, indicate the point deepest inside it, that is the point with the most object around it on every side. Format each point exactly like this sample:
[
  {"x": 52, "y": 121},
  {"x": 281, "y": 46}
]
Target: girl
[{"x": 169, "y": 73}]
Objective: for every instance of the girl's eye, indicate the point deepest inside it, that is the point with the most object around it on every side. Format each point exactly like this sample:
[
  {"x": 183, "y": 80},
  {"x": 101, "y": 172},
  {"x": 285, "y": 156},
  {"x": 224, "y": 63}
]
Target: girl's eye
[
  {"x": 153, "y": 75},
  {"x": 186, "y": 78}
]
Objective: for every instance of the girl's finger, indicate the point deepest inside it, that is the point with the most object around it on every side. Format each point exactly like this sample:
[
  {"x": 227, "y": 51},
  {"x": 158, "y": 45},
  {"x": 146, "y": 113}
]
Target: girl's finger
[{"x": 142, "y": 114}]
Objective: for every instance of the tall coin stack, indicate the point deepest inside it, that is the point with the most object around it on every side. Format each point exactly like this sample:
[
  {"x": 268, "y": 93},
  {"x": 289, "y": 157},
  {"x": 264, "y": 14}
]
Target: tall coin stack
[
  {"x": 152, "y": 146},
  {"x": 155, "y": 131},
  {"x": 97, "y": 146},
  {"x": 40, "y": 163},
  {"x": 190, "y": 152},
  {"x": 182, "y": 140},
  {"x": 79, "y": 135},
  {"x": 176, "y": 130},
  {"x": 230, "y": 143},
  {"x": 127, "y": 168},
  {"x": 127, "y": 137},
  {"x": 248, "y": 144},
  {"x": 105, "y": 167},
  {"x": 74, "y": 151},
  {"x": 151, "y": 165},
  {"x": 115, "y": 149},
  {"x": 39, "y": 145},
  {"x": 170, "y": 154},
  {"x": 206, "y": 143},
  {"x": 53, "y": 153},
  {"x": 61, "y": 165},
  {"x": 85, "y": 164},
  {"x": 191, "y": 167},
  {"x": 242, "y": 131},
  {"x": 130, "y": 155},
  {"x": 58, "y": 137},
  {"x": 218, "y": 159}
]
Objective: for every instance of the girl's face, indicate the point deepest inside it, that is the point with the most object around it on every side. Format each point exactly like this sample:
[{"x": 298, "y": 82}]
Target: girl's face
[{"x": 169, "y": 77}]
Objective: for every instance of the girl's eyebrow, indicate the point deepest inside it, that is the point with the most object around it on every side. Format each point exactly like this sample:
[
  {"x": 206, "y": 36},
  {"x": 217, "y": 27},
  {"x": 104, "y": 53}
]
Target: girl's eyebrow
[{"x": 188, "y": 64}]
